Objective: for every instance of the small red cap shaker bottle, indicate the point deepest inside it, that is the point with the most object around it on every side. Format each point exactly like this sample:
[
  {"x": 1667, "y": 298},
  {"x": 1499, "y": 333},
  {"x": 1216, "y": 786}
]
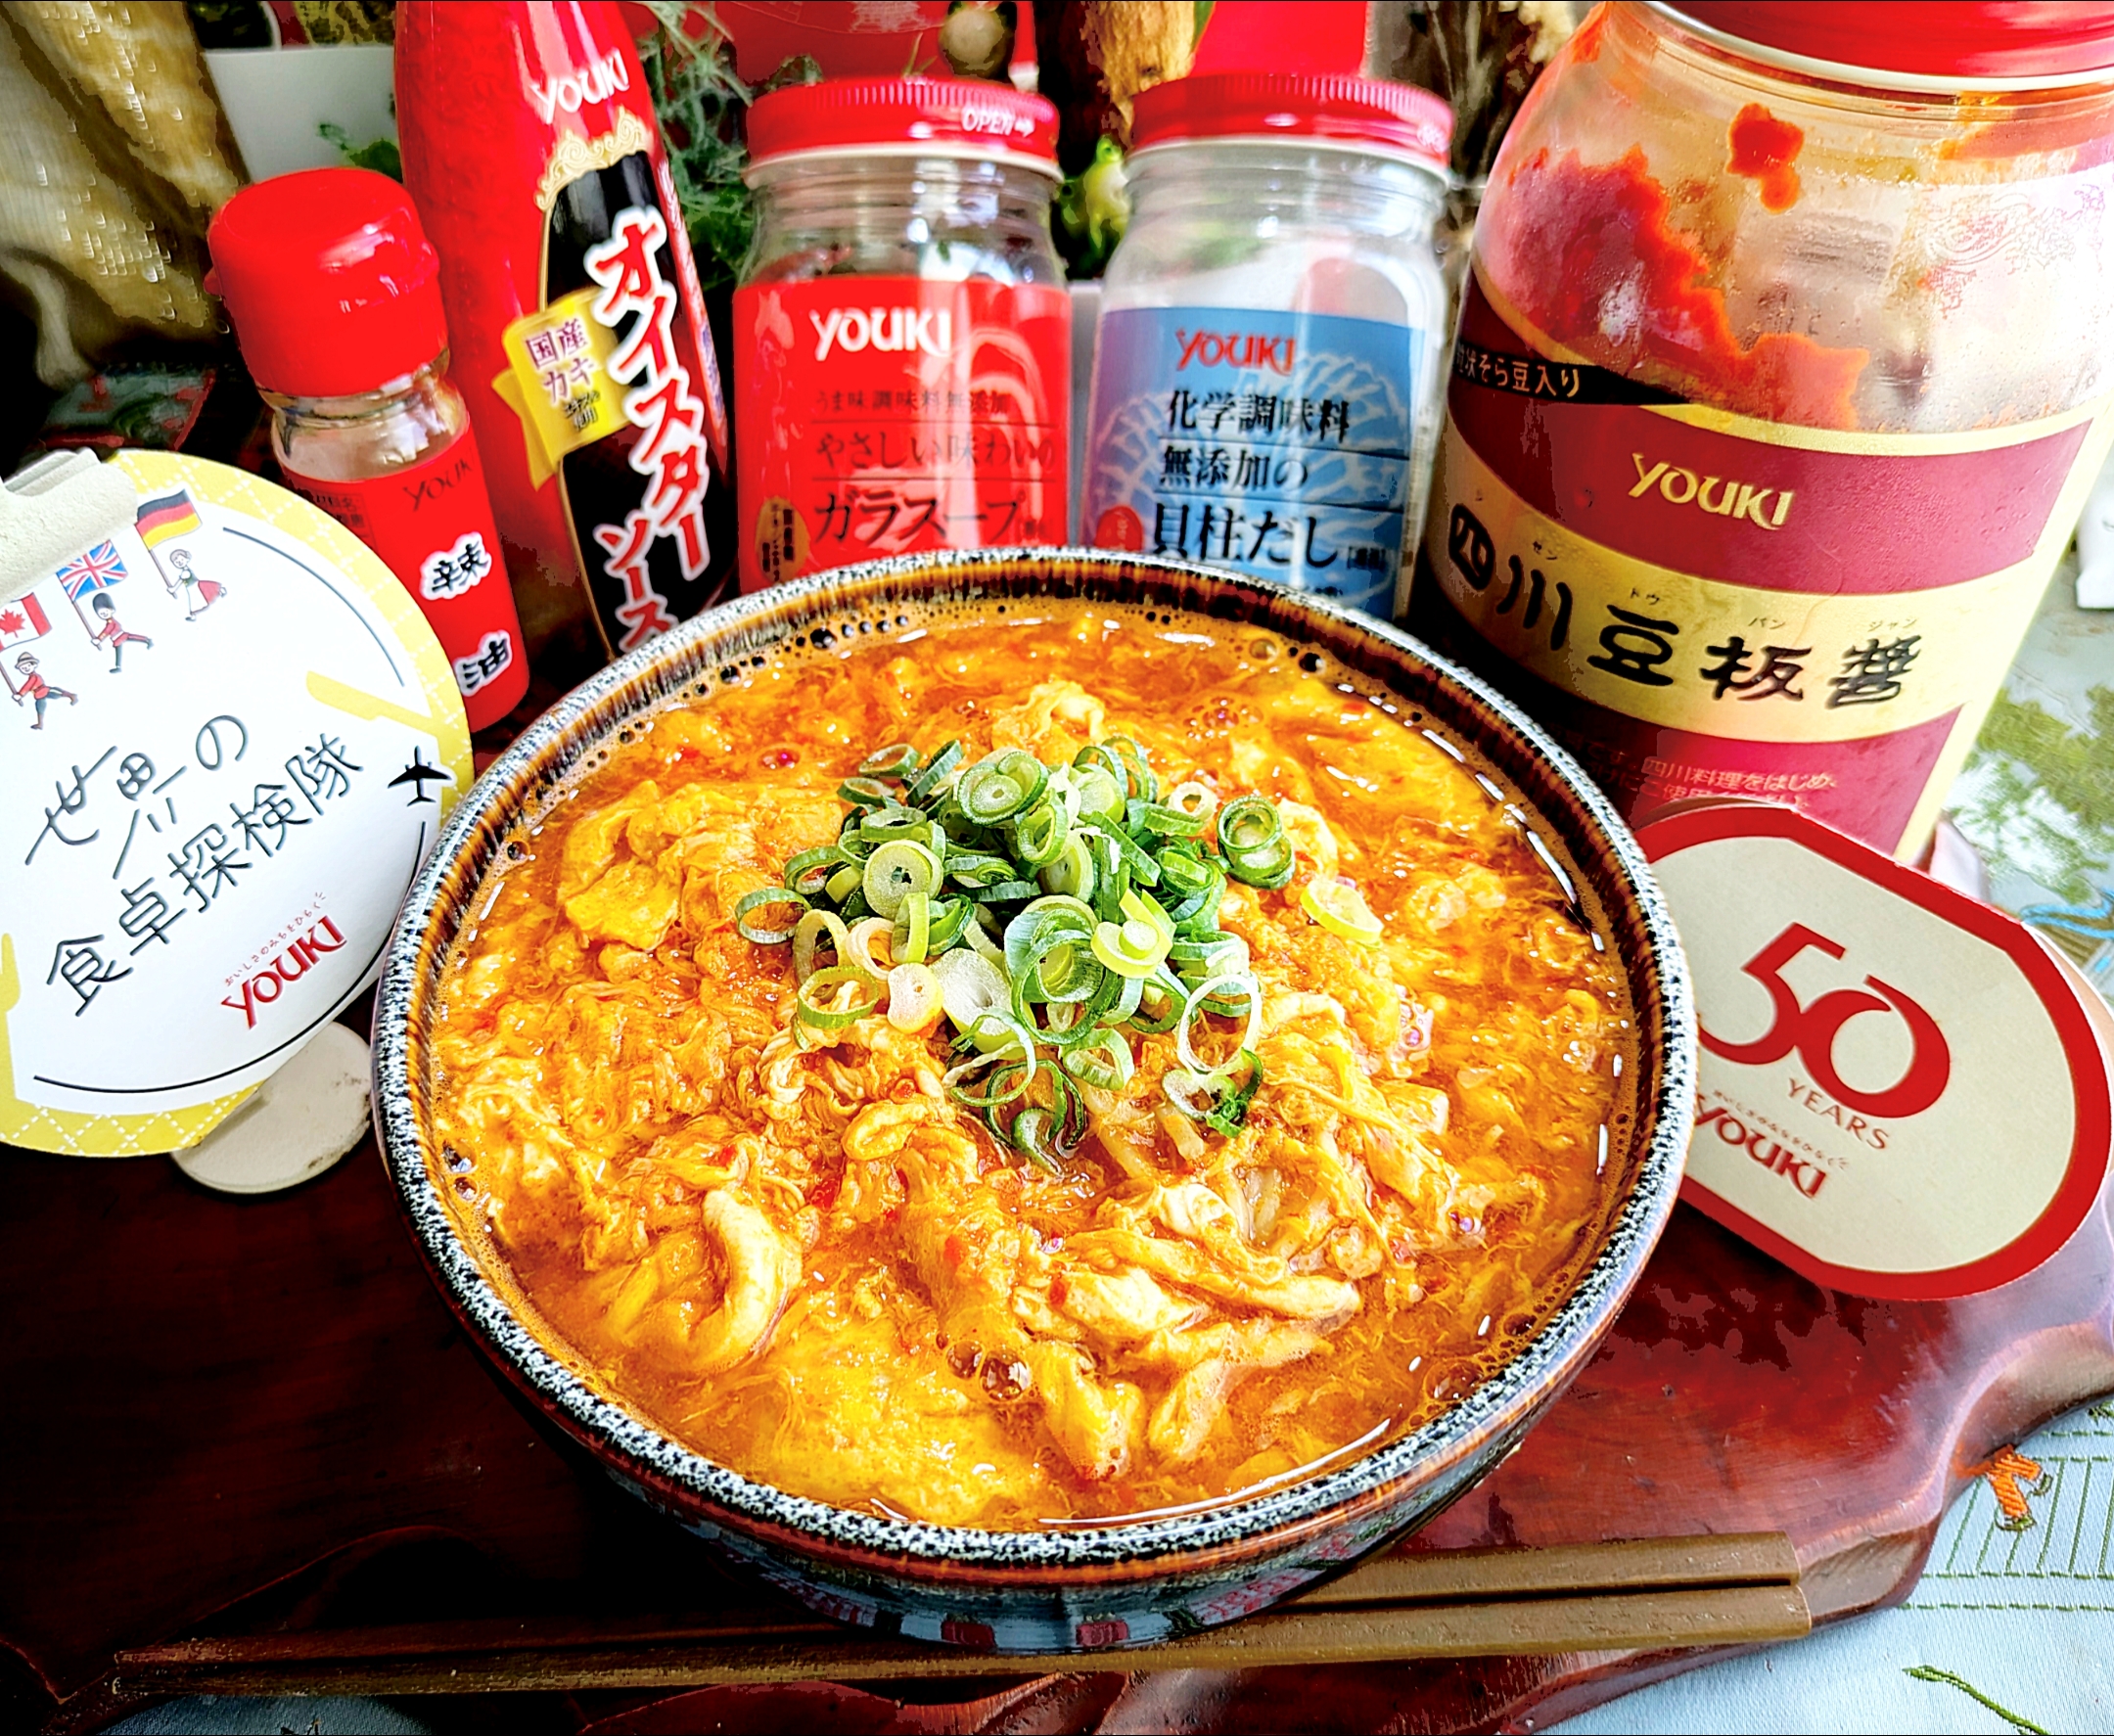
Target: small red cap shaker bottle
[{"x": 335, "y": 293}]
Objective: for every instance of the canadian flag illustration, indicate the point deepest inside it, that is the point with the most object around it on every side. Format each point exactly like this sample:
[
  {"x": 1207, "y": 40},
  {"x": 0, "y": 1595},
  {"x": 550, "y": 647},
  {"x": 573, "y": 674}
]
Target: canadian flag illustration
[{"x": 23, "y": 619}]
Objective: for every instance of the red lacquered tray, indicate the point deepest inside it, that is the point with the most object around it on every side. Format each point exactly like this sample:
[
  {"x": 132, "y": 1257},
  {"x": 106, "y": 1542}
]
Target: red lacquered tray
[{"x": 240, "y": 1415}]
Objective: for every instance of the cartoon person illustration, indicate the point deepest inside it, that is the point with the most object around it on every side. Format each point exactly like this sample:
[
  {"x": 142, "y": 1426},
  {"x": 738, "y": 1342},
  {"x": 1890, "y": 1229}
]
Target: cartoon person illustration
[
  {"x": 113, "y": 632},
  {"x": 199, "y": 594},
  {"x": 36, "y": 687}
]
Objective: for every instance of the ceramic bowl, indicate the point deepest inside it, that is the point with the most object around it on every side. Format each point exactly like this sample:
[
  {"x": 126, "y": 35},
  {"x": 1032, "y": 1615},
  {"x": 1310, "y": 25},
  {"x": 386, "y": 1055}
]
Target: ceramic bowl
[{"x": 1072, "y": 1590}]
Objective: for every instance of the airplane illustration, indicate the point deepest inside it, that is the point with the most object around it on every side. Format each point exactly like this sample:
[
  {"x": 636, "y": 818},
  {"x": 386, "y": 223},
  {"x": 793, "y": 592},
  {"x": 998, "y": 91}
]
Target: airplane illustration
[{"x": 419, "y": 774}]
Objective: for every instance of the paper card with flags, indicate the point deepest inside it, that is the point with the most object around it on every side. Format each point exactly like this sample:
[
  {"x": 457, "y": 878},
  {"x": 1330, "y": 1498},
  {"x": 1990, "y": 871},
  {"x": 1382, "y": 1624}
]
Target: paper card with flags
[{"x": 213, "y": 797}]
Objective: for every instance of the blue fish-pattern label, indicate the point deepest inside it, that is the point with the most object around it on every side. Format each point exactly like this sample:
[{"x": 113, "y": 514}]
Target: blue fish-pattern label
[{"x": 1275, "y": 443}]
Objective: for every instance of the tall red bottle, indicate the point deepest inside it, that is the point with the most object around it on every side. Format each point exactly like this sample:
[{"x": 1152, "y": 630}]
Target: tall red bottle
[{"x": 530, "y": 147}]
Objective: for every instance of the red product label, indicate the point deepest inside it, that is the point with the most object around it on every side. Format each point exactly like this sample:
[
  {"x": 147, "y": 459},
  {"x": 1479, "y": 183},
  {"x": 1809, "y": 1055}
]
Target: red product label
[
  {"x": 1702, "y": 604},
  {"x": 574, "y": 308},
  {"x": 433, "y": 527},
  {"x": 884, "y": 416}
]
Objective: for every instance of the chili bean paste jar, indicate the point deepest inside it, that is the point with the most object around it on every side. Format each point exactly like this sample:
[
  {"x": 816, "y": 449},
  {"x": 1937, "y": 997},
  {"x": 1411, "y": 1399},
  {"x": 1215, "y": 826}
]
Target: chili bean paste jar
[
  {"x": 1781, "y": 380},
  {"x": 1266, "y": 390},
  {"x": 901, "y": 324}
]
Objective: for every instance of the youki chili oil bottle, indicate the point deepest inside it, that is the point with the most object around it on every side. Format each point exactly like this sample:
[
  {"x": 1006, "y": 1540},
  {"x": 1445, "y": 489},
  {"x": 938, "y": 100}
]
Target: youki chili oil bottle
[
  {"x": 335, "y": 294},
  {"x": 530, "y": 146}
]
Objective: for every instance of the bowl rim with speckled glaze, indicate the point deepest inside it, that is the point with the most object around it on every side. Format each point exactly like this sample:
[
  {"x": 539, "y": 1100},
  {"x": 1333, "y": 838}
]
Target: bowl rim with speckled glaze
[{"x": 738, "y": 635}]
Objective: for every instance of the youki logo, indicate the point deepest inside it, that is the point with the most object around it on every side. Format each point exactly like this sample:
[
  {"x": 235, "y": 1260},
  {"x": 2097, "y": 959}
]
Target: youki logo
[
  {"x": 264, "y": 987},
  {"x": 1236, "y": 349},
  {"x": 593, "y": 83},
  {"x": 1808, "y": 1177},
  {"x": 1734, "y": 500},
  {"x": 853, "y": 329}
]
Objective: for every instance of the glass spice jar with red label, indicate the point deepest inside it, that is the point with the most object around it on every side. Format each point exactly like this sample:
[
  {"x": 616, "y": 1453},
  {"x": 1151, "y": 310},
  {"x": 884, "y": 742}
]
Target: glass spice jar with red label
[
  {"x": 335, "y": 294},
  {"x": 902, "y": 330},
  {"x": 1782, "y": 376}
]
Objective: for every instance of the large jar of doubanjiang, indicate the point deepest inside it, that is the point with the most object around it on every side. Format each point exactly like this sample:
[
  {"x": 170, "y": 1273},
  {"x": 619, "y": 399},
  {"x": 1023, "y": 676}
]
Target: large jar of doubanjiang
[{"x": 1781, "y": 380}]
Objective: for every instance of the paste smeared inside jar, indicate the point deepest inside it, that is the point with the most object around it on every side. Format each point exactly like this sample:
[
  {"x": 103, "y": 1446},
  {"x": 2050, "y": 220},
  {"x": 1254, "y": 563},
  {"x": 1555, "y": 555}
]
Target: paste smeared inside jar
[
  {"x": 1322, "y": 1067},
  {"x": 1601, "y": 268}
]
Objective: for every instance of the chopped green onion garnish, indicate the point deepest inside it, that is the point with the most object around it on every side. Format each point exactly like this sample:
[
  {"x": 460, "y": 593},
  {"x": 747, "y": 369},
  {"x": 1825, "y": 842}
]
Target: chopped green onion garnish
[
  {"x": 969, "y": 868},
  {"x": 1098, "y": 792},
  {"x": 1053, "y": 913},
  {"x": 1231, "y": 1112},
  {"x": 898, "y": 762},
  {"x": 950, "y": 917},
  {"x": 1142, "y": 783},
  {"x": 970, "y": 985},
  {"x": 913, "y": 997},
  {"x": 1242, "y": 982},
  {"x": 1214, "y": 1099},
  {"x": 944, "y": 761},
  {"x": 1105, "y": 1063},
  {"x": 1134, "y": 949},
  {"x": 913, "y": 925},
  {"x": 789, "y": 906},
  {"x": 1039, "y": 835},
  {"x": 1194, "y": 800},
  {"x": 1072, "y": 871},
  {"x": 813, "y": 927},
  {"x": 1249, "y": 823},
  {"x": 824, "y": 1005},
  {"x": 867, "y": 934},
  {"x": 809, "y": 872},
  {"x": 997, "y": 788},
  {"x": 895, "y": 871}
]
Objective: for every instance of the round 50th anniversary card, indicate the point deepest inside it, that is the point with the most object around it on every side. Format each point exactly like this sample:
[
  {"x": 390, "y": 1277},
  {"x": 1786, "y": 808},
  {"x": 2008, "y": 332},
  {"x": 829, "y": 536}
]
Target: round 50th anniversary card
[{"x": 227, "y": 739}]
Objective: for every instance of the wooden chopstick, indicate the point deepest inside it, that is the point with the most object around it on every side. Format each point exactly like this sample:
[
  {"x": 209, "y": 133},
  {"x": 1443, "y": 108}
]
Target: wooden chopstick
[
  {"x": 1404, "y": 1576},
  {"x": 1651, "y": 1594}
]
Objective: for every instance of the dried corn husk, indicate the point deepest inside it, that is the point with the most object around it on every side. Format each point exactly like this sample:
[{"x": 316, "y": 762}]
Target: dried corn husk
[
  {"x": 347, "y": 21},
  {"x": 1481, "y": 54},
  {"x": 139, "y": 60},
  {"x": 66, "y": 223},
  {"x": 1096, "y": 55}
]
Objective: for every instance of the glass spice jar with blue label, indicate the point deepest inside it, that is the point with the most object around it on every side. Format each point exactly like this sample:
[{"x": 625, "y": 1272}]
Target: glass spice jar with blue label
[{"x": 1265, "y": 385}]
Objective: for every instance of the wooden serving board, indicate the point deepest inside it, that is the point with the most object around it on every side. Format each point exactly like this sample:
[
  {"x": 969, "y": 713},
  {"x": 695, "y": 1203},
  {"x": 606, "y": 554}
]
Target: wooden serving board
[{"x": 230, "y": 1416}]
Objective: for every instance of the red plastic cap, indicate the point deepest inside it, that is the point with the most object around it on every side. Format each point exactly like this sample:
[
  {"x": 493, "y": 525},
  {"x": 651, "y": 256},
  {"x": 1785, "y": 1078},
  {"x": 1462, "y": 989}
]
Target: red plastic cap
[
  {"x": 2009, "y": 41},
  {"x": 935, "y": 116},
  {"x": 330, "y": 280},
  {"x": 1396, "y": 119}
]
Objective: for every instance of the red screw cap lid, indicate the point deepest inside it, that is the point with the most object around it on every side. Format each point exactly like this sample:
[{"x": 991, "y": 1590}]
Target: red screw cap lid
[
  {"x": 1320, "y": 108},
  {"x": 330, "y": 280},
  {"x": 1942, "y": 45},
  {"x": 907, "y": 117}
]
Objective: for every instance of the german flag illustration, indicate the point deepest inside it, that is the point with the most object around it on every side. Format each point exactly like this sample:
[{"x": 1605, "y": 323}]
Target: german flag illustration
[{"x": 172, "y": 514}]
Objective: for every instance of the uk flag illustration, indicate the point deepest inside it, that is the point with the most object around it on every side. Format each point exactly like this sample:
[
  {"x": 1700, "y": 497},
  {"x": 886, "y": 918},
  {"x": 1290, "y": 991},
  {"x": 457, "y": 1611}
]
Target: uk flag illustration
[{"x": 96, "y": 570}]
